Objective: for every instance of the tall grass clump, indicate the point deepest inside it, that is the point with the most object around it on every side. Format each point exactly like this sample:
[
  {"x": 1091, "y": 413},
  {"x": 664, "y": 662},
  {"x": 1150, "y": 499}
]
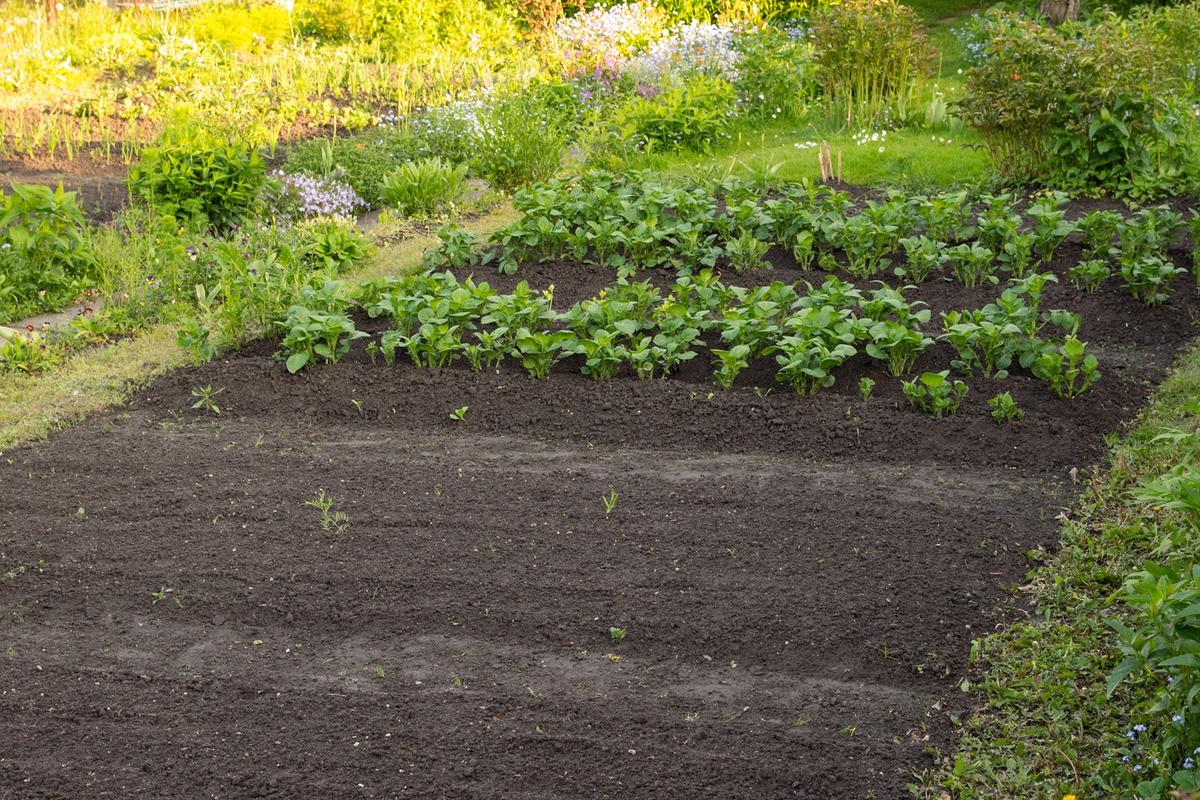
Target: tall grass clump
[{"x": 872, "y": 57}]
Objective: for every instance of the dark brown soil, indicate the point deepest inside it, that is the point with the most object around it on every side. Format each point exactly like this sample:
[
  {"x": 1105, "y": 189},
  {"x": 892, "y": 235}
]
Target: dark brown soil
[
  {"x": 100, "y": 186},
  {"x": 800, "y": 579}
]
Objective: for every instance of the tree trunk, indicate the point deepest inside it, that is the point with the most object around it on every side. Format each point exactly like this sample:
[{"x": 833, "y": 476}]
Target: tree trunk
[{"x": 1059, "y": 11}]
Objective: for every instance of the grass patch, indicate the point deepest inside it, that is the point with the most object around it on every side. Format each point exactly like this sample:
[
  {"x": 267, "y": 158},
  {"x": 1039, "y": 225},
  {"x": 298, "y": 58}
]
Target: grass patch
[
  {"x": 911, "y": 159},
  {"x": 32, "y": 406},
  {"x": 1047, "y": 727}
]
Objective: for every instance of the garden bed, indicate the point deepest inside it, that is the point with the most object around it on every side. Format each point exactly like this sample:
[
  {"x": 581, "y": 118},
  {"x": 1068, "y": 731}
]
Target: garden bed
[{"x": 799, "y": 578}]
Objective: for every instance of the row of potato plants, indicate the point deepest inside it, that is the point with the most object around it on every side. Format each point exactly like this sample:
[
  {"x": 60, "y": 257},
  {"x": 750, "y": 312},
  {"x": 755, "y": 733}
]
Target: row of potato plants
[
  {"x": 810, "y": 331},
  {"x": 636, "y": 222}
]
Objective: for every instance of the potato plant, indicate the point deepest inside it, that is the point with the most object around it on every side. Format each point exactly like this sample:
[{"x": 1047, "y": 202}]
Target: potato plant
[
  {"x": 1089, "y": 274},
  {"x": 935, "y": 393},
  {"x": 316, "y": 335},
  {"x": 924, "y": 257},
  {"x": 1068, "y": 368},
  {"x": 972, "y": 264}
]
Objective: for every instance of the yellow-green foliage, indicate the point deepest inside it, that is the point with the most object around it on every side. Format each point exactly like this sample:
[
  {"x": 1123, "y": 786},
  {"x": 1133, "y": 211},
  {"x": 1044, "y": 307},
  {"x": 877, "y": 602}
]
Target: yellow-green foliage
[{"x": 238, "y": 27}]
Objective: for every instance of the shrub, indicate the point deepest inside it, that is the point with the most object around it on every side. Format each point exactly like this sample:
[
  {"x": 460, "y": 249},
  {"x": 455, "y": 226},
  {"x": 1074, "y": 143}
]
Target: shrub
[
  {"x": 520, "y": 139},
  {"x": 694, "y": 116},
  {"x": 237, "y": 27},
  {"x": 775, "y": 75},
  {"x": 871, "y": 56},
  {"x": 424, "y": 188},
  {"x": 45, "y": 257},
  {"x": 193, "y": 174},
  {"x": 1103, "y": 110}
]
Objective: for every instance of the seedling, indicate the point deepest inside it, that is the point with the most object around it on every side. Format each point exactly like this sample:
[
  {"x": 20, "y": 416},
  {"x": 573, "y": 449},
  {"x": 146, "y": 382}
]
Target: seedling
[
  {"x": 459, "y": 414},
  {"x": 1005, "y": 409},
  {"x": 610, "y": 501},
  {"x": 865, "y": 387},
  {"x": 163, "y": 593},
  {"x": 617, "y": 634},
  {"x": 331, "y": 519},
  {"x": 205, "y": 399}
]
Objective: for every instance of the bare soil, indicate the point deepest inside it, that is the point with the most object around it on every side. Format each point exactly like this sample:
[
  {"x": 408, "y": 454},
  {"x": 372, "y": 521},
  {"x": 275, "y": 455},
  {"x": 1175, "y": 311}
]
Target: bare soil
[{"x": 799, "y": 579}]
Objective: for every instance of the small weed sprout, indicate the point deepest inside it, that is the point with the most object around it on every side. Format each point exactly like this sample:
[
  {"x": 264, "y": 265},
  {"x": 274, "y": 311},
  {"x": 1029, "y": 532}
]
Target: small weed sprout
[
  {"x": 1005, "y": 409},
  {"x": 617, "y": 634},
  {"x": 331, "y": 519},
  {"x": 865, "y": 387},
  {"x": 610, "y": 501},
  {"x": 459, "y": 414},
  {"x": 205, "y": 399}
]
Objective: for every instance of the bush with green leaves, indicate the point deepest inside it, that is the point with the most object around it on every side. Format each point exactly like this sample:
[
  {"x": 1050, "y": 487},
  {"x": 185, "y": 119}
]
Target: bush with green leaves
[
  {"x": 198, "y": 176},
  {"x": 924, "y": 257},
  {"x": 46, "y": 259},
  {"x": 520, "y": 139},
  {"x": 1100, "y": 107},
  {"x": 775, "y": 76},
  {"x": 425, "y": 187},
  {"x": 332, "y": 245},
  {"x": 697, "y": 114}
]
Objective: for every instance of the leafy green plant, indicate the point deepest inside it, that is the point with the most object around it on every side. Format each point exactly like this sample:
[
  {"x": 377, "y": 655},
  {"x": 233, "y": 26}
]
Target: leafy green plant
[
  {"x": 1148, "y": 277},
  {"x": 865, "y": 387},
  {"x": 456, "y": 249},
  {"x": 332, "y": 520},
  {"x": 521, "y": 139},
  {"x": 934, "y": 393},
  {"x": 693, "y": 115},
  {"x": 1098, "y": 229},
  {"x": 1089, "y": 274},
  {"x": 311, "y": 335},
  {"x": 459, "y": 414},
  {"x": 747, "y": 252},
  {"x": 46, "y": 259},
  {"x": 729, "y": 363},
  {"x": 1162, "y": 644},
  {"x": 1005, "y": 409},
  {"x": 28, "y": 352},
  {"x": 333, "y": 246},
  {"x": 424, "y": 188},
  {"x": 1068, "y": 368},
  {"x": 972, "y": 264},
  {"x": 206, "y": 399},
  {"x": 925, "y": 256},
  {"x": 982, "y": 341},
  {"x": 197, "y": 176},
  {"x": 538, "y": 351},
  {"x": 1050, "y": 225}
]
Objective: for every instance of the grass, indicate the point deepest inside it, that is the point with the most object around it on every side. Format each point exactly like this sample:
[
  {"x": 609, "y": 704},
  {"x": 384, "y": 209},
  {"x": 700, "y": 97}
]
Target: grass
[
  {"x": 33, "y": 406},
  {"x": 911, "y": 158},
  {"x": 1047, "y": 728}
]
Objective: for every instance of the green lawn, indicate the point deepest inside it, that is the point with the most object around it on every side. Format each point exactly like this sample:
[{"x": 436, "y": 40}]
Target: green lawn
[{"x": 914, "y": 159}]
